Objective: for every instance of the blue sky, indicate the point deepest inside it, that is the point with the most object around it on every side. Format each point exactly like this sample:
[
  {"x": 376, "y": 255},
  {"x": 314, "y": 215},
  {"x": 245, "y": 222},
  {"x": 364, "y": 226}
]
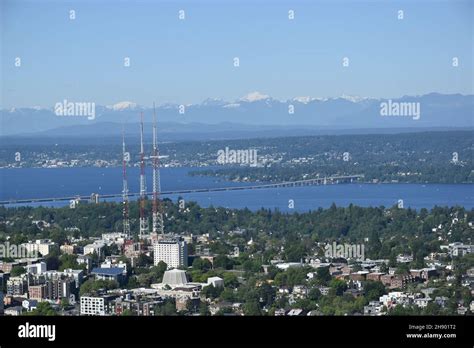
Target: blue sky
[{"x": 188, "y": 61}]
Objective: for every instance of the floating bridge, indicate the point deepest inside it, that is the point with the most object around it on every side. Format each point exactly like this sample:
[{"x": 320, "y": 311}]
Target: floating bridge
[{"x": 95, "y": 197}]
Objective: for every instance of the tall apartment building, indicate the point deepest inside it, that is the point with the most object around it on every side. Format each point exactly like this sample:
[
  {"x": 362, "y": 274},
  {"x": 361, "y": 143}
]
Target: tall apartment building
[
  {"x": 59, "y": 288},
  {"x": 51, "y": 289},
  {"x": 17, "y": 286},
  {"x": 171, "y": 251},
  {"x": 53, "y": 285}
]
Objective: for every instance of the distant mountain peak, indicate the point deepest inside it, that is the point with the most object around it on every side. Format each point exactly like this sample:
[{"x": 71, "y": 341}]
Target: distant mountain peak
[
  {"x": 124, "y": 105},
  {"x": 353, "y": 98},
  {"x": 308, "y": 99},
  {"x": 232, "y": 105},
  {"x": 213, "y": 102},
  {"x": 304, "y": 100},
  {"x": 254, "y": 96}
]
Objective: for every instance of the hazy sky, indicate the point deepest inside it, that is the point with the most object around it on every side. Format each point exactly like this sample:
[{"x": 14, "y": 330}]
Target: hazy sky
[{"x": 187, "y": 61}]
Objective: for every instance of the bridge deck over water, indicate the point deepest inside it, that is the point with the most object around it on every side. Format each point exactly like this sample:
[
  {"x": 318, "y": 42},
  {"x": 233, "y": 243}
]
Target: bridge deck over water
[{"x": 96, "y": 197}]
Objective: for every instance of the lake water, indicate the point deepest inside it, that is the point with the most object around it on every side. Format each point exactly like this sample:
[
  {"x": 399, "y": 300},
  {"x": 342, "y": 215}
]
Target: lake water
[{"x": 59, "y": 182}]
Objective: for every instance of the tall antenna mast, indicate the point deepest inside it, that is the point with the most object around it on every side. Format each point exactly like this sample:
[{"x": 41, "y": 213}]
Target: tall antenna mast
[
  {"x": 125, "y": 158},
  {"x": 143, "y": 222},
  {"x": 158, "y": 226}
]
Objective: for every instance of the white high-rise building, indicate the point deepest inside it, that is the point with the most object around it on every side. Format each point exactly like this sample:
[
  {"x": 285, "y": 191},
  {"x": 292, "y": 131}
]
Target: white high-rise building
[
  {"x": 172, "y": 252},
  {"x": 92, "y": 305}
]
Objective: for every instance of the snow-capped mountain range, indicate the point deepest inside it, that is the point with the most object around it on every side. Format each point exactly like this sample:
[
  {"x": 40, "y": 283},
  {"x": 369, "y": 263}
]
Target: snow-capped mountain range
[
  {"x": 125, "y": 105},
  {"x": 436, "y": 110}
]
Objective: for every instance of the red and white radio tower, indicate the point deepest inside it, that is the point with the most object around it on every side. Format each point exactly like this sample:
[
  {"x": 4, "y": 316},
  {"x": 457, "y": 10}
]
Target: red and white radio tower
[
  {"x": 157, "y": 224},
  {"x": 143, "y": 222},
  {"x": 125, "y": 158}
]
